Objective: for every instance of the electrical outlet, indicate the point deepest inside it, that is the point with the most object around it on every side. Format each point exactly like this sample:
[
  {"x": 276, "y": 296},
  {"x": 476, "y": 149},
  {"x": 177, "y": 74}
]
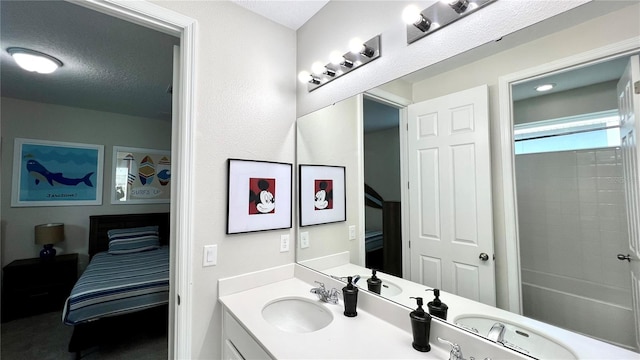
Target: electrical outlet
[
  {"x": 352, "y": 232},
  {"x": 284, "y": 243},
  {"x": 304, "y": 239},
  {"x": 210, "y": 256}
]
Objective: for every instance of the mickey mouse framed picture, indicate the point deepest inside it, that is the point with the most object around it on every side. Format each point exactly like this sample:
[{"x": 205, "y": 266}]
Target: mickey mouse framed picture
[
  {"x": 322, "y": 194},
  {"x": 259, "y": 196}
]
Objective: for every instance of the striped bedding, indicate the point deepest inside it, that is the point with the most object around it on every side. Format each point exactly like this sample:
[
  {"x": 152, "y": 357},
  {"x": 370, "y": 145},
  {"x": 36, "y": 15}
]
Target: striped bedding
[{"x": 119, "y": 284}]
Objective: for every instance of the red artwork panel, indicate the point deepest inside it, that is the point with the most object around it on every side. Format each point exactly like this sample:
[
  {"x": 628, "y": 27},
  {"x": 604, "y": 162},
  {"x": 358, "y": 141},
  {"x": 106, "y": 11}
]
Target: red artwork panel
[
  {"x": 323, "y": 192},
  {"x": 262, "y": 196}
]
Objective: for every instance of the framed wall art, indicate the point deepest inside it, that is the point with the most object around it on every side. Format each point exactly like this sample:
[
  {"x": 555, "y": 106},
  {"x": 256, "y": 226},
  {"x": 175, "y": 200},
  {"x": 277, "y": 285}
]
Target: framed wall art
[
  {"x": 140, "y": 176},
  {"x": 259, "y": 196},
  {"x": 322, "y": 194},
  {"x": 53, "y": 173}
]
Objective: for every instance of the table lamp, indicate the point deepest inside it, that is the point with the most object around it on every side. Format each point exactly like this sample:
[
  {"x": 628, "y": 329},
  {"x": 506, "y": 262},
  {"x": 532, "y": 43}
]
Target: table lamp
[{"x": 47, "y": 235}]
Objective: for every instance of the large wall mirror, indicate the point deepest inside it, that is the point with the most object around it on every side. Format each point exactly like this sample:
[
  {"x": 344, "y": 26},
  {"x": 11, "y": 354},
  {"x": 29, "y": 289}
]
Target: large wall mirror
[{"x": 545, "y": 174}]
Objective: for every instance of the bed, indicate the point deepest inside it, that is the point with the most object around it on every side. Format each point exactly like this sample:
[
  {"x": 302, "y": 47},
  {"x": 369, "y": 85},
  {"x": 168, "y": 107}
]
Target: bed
[
  {"x": 129, "y": 277},
  {"x": 383, "y": 248}
]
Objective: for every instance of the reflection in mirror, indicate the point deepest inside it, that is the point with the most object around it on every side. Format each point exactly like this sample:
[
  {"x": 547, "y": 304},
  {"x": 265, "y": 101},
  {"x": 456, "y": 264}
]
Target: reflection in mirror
[{"x": 567, "y": 270}]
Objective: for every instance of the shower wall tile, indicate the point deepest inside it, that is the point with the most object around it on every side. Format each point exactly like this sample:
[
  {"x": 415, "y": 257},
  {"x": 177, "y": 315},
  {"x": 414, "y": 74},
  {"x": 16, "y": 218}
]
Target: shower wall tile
[{"x": 571, "y": 214}]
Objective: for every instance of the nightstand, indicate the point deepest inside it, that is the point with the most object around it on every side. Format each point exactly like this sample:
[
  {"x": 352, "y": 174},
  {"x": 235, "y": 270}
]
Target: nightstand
[{"x": 33, "y": 286}]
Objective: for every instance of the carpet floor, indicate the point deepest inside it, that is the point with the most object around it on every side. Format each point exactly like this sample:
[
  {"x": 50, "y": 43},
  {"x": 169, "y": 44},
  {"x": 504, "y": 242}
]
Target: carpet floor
[{"x": 45, "y": 337}]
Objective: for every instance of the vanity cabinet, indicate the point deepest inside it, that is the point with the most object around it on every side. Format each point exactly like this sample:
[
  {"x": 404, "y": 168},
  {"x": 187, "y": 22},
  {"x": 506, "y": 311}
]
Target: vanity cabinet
[{"x": 237, "y": 343}]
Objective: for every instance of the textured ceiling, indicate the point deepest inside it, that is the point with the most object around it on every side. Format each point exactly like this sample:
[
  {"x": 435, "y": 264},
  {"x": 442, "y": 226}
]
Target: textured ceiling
[
  {"x": 109, "y": 64},
  {"x": 292, "y": 14}
]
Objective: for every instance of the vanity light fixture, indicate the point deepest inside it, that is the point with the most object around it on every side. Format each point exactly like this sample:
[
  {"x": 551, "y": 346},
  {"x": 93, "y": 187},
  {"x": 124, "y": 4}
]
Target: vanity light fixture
[
  {"x": 435, "y": 17},
  {"x": 336, "y": 59},
  {"x": 545, "y": 87},
  {"x": 34, "y": 61},
  {"x": 412, "y": 16},
  {"x": 458, "y": 6},
  {"x": 361, "y": 53}
]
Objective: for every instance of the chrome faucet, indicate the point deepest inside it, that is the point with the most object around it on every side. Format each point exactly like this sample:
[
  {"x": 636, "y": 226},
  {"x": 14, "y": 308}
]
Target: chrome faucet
[
  {"x": 329, "y": 296},
  {"x": 497, "y": 333}
]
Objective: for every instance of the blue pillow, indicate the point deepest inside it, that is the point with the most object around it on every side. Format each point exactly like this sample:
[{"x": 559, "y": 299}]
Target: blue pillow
[{"x": 131, "y": 240}]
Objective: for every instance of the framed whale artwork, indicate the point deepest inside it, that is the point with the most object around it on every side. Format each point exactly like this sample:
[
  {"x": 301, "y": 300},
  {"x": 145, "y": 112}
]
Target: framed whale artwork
[
  {"x": 53, "y": 173},
  {"x": 140, "y": 176}
]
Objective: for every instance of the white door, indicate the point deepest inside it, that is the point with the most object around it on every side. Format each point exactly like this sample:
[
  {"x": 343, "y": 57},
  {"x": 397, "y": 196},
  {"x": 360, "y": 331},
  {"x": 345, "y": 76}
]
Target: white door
[
  {"x": 629, "y": 108},
  {"x": 451, "y": 226}
]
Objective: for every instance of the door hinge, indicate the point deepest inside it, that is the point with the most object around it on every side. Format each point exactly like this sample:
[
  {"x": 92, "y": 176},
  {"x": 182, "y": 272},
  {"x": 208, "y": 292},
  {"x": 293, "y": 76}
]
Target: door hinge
[
  {"x": 409, "y": 244},
  {"x": 408, "y": 187},
  {"x": 178, "y": 299},
  {"x": 636, "y": 87}
]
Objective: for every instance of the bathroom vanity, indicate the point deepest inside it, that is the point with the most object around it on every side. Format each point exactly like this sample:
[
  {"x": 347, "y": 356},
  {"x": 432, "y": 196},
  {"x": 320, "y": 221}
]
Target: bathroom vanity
[{"x": 381, "y": 329}]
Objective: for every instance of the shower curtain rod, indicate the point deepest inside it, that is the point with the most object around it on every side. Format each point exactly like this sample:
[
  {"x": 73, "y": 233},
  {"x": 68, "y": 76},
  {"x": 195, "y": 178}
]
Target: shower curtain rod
[{"x": 568, "y": 133}]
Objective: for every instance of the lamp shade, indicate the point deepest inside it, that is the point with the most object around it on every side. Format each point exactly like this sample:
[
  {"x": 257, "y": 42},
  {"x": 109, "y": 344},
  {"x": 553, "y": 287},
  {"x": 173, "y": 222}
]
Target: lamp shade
[{"x": 49, "y": 233}]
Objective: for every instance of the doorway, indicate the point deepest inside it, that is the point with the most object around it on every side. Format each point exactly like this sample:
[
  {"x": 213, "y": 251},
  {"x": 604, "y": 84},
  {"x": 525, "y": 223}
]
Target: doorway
[
  {"x": 167, "y": 21},
  {"x": 568, "y": 198}
]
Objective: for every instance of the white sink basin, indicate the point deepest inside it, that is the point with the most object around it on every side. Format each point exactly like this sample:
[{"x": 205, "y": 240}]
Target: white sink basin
[
  {"x": 517, "y": 337},
  {"x": 387, "y": 289},
  {"x": 297, "y": 315}
]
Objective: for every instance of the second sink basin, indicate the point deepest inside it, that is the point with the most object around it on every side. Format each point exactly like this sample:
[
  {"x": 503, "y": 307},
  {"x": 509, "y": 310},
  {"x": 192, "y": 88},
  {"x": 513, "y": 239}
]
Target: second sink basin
[
  {"x": 517, "y": 337},
  {"x": 297, "y": 315}
]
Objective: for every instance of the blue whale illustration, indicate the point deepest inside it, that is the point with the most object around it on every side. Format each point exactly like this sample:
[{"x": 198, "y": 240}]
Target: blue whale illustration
[{"x": 41, "y": 173}]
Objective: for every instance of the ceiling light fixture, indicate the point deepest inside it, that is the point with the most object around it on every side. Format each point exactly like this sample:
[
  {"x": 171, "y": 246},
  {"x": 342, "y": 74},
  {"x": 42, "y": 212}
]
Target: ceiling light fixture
[
  {"x": 34, "y": 61},
  {"x": 360, "y": 53},
  {"x": 422, "y": 23},
  {"x": 545, "y": 87}
]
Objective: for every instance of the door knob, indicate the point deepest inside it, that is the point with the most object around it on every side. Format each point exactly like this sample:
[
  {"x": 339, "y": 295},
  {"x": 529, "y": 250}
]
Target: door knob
[
  {"x": 624, "y": 257},
  {"x": 484, "y": 257}
]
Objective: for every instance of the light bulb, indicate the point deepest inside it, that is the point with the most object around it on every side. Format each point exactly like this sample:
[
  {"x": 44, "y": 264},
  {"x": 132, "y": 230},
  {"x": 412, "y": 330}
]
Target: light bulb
[
  {"x": 411, "y": 15},
  {"x": 304, "y": 76},
  {"x": 317, "y": 68},
  {"x": 356, "y": 45},
  {"x": 336, "y": 58}
]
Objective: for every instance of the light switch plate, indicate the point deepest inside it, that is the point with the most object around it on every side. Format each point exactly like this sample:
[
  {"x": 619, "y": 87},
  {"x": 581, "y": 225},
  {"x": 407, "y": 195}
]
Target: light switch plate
[
  {"x": 304, "y": 239},
  {"x": 284, "y": 243},
  {"x": 352, "y": 232},
  {"x": 210, "y": 256}
]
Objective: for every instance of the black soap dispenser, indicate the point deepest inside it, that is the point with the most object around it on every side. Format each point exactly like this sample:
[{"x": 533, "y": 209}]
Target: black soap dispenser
[
  {"x": 350, "y": 296},
  {"x": 374, "y": 283},
  {"x": 421, "y": 327},
  {"x": 436, "y": 307}
]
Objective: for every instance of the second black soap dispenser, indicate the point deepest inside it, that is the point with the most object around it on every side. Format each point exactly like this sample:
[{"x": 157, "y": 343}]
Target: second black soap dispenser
[
  {"x": 421, "y": 327},
  {"x": 436, "y": 307},
  {"x": 374, "y": 283},
  {"x": 350, "y": 296}
]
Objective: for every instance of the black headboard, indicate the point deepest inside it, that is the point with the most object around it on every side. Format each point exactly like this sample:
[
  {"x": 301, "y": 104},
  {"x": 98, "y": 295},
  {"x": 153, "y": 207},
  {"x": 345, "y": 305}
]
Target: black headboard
[{"x": 100, "y": 224}]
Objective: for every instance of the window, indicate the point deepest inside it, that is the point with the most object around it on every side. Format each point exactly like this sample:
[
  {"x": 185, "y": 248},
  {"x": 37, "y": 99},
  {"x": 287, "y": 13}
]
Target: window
[{"x": 589, "y": 131}]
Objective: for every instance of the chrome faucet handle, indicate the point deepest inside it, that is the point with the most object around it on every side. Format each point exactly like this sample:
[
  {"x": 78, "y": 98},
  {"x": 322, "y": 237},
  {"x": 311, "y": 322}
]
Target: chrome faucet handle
[
  {"x": 456, "y": 351},
  {"x": 333, "y": 296},
  {"x": 497, "y": 332},
  {"x": 319, "y": 283}
]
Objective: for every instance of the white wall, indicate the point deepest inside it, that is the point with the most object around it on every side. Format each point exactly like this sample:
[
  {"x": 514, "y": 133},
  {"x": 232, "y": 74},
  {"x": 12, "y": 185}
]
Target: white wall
[
  {"x": 331, "y": 137},
  {"x": 245, "y": 108},
  {"x": 31, "y": 120}
]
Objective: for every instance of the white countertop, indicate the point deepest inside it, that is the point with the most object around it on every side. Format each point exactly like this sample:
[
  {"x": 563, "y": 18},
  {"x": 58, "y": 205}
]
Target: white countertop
[
  {"x": 362, "y": 337},
  {"x": 582, "y": 346}
]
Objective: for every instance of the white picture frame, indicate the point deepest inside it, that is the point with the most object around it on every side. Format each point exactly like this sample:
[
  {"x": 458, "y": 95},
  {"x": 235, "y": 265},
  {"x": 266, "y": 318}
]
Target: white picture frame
[{"x": 140, "y": 176}]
